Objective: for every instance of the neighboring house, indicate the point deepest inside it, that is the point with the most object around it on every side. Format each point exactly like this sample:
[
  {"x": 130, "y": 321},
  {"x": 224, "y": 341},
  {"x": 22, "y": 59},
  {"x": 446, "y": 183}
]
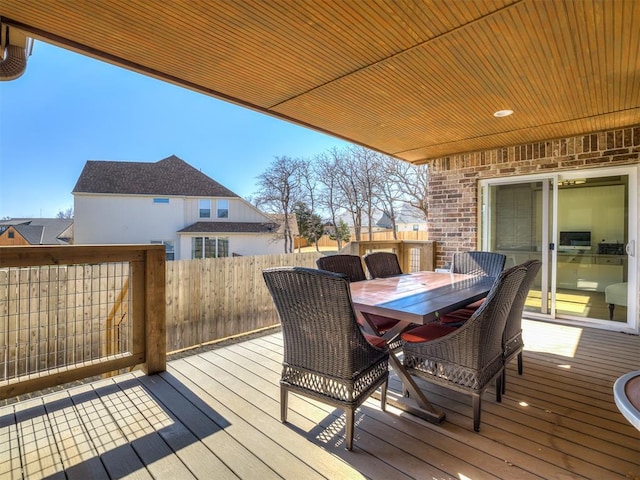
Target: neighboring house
[
  {"x": 172, "y": 203},
  {"x": 36, "y": 231},
  {"x": 408, "y": 219}
]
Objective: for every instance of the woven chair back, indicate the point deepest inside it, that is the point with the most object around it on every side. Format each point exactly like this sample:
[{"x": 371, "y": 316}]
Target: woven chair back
[
  {"x": 318, "y": 322},
  {"x": 488, "y": 264},
  {"x": 349, "y": 265},
  {"x": 513, "y": 327},
  {"x": 490, "y": 319},
  {"x": 382, "y": 264}
]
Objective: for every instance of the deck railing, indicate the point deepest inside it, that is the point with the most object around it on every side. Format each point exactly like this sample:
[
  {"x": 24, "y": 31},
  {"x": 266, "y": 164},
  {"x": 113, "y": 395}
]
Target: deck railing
[
  {"x": 413, "y": 255},
  {"x": 71, "y": 312}
]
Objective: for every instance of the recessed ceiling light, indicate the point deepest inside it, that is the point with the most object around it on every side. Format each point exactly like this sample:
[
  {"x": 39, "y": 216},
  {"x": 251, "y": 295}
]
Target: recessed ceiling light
[{"x": 503, "y": 113}]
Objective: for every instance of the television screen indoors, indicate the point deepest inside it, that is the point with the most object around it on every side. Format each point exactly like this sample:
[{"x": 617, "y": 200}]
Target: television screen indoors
[{"x": 575, "y": 240}]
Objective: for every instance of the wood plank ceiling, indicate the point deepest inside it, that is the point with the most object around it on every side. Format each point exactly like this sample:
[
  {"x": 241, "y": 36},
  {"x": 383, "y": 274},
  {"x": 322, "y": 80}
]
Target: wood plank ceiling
[{"x": 413, "y": 79}]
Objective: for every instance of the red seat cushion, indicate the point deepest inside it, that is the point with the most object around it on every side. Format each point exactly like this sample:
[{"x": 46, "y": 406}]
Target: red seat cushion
[
  {"x": 375, "y": 340},
  {"x": 455, "y": 318},
  {"x": 427, "y": 332},
  {"x": 476, "y": 305},
  {"x": 382, "y": 324}
]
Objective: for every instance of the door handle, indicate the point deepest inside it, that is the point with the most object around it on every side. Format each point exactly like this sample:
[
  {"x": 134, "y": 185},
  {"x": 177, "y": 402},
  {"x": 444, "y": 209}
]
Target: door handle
[{"x": 631, "y": 248}]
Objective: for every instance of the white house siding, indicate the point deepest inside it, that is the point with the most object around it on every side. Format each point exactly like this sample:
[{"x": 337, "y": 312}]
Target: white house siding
[
  {"x": 239, "y": 211},
  {"x": 117, "y": 219},
  {"x": 240, "y": 244}
]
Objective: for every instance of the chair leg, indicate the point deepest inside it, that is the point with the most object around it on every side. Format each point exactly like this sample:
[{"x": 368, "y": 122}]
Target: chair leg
[
  {"x": 504, "y": 381},
  {"x": 520, "y": 363},
  {"x": 477, "y": 400},
  {"x": 284, "y": 400},
  {"x": 350, "y": 413},
  {"x": 499, "y": 387},
  {"x": 383, "y": 396}
]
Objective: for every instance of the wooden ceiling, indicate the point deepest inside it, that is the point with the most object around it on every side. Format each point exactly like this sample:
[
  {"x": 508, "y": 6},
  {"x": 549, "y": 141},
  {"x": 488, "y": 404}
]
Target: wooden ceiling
[{"x": 413, "y": 79}]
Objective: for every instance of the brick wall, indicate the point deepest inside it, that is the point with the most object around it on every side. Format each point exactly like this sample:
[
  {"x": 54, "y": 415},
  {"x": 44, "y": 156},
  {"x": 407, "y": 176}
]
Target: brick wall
[{"x": 453, "y": 183}]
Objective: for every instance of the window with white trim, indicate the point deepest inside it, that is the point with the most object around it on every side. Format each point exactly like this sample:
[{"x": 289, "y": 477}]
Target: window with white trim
[
  {"x": 209, "y": 247},
  {"x": 223, "y": 208},
  {"x": 204, "y": 207}
]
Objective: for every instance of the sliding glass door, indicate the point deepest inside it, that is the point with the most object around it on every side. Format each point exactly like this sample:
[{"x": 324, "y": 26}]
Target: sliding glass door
[
  {"x": 582, "y": 226},
  {"x": 516, "y": 216}
]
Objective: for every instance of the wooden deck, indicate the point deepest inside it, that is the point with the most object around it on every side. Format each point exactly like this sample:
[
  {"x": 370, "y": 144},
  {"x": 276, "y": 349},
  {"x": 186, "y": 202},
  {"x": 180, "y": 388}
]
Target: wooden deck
[{"x": 215, "y": 415}]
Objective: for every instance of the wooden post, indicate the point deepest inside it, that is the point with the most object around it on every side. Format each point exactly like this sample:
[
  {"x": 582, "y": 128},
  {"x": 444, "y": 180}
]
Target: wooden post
[{"x": 155, "y": 311}]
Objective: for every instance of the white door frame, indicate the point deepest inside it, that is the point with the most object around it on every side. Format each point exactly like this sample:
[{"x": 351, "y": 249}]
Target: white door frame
[{"x": 550, "y": 182}]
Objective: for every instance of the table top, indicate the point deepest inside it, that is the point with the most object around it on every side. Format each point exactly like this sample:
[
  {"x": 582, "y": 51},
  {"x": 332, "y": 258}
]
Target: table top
[
  {"x": 626, "y": 391},
  {"x": 419, "y": 297}
]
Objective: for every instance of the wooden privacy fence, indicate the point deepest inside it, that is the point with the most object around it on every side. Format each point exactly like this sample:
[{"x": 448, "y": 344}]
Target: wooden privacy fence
[
  {"x": 212, "y": 299},
  {"x": 71, "y": 312}
]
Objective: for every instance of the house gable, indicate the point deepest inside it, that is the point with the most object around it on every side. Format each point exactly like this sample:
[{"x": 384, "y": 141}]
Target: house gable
[
  {"x": 167, "y": 177},
  {"x": 36, "y": 231}
]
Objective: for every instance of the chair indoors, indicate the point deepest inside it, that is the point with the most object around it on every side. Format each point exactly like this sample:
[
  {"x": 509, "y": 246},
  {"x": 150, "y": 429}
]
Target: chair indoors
[
  {"x": 351, "y": 266},
  {"x": 326, "y": 355},
  {"x": 468, "y": 358},
  {"x": 382, "y": 264}
]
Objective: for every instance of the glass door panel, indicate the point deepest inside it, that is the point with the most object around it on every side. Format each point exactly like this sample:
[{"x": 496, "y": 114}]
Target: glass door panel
[
  {"x": 592, "y": 231},
  {"x": 582, "y": 225},
  {"x": 519, "y": 229}
]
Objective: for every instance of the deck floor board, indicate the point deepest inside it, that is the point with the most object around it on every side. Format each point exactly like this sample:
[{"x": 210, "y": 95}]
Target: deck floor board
[{"x": 216, "y": 414}]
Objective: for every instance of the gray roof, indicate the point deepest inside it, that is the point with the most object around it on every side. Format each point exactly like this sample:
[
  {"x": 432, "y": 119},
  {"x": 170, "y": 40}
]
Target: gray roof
[
  {"x": 230, "y": 227},
  {"x": 170, "y": 176},
  {"x": 407, "y": 214},
  {"x": 41, "y": 231}
]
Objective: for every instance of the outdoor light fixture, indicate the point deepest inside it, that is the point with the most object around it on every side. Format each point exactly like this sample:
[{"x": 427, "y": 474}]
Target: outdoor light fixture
[{"x": 502, "y": 113}]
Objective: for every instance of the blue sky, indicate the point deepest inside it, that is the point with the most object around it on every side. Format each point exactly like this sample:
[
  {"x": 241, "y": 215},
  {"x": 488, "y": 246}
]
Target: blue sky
[{"x": 67, "y": 109}]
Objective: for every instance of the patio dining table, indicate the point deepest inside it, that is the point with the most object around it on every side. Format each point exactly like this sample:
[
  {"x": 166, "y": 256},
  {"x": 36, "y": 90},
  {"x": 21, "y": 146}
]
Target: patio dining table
[{"x": 416, "y": 298}]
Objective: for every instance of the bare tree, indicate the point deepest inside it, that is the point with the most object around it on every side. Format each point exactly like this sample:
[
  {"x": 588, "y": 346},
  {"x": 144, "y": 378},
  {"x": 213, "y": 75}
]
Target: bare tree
[
  {"x": 368, "y": 180},
  {"x": 349, "y": 193},
  {"x": 309, "y": 191},
  {"x": 413, "y": 182},
  {"x": 279, "y": 190},
  {"x": 390, "y": 196},
  {"x": 68, "y": 213},
  {"x": 327, "y": 168}
]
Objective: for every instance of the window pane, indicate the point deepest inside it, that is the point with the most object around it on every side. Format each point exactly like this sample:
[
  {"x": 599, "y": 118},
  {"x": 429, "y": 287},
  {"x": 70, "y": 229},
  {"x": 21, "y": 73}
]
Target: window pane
[
  {"x": 223, "y": 208},
  {"x": 205, "y": 208},
  {"x": 170, "y": 250},
  {"x": 223, "y": 247},
  {"x": 209, "y": 247},
  {"x": 196, "y": 247}
]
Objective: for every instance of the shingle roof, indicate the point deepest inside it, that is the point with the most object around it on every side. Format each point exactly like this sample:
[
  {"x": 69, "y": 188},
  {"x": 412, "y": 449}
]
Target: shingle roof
[
  {"x": 41, "y": 231},
  {"x": 170, "y": 176},
  {"x": 230, "y": 227},
  {"x": 31, "y": 233}
]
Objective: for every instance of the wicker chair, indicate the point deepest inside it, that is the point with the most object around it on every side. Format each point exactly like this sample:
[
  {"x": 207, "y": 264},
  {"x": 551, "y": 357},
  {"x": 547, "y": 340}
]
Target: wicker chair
[
  {"x": 326, "y": 355},
  {"x": 382, "y": 264},
  {"x": 512, "y": 343},
  {"x": 489, "y": 264},
  {"x": 468, "y": 358},
  {"x": 351, "y": 266}
]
